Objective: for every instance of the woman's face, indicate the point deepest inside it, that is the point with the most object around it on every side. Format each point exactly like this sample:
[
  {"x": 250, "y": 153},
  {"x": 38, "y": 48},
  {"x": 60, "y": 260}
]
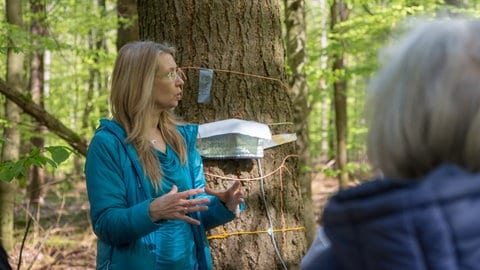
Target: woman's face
[{"x": 168, "y": 85}]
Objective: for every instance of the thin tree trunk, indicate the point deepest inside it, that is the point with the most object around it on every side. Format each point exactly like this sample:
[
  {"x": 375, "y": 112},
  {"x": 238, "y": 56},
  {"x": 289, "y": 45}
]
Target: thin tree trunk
[
  {"x": 236, "y": 39},
  {"x": 96, "y": 42},
  {"x": 128, "y": 22},
  {"x": 11, "y": 147},
  {"x": 339, "y": 13},
  {"x": 37, "y": 174},
  {"x": 325, "y": 103}
]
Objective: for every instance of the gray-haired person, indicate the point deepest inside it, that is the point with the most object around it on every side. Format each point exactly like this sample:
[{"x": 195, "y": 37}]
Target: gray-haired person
[{"x": 424, "y": 137}]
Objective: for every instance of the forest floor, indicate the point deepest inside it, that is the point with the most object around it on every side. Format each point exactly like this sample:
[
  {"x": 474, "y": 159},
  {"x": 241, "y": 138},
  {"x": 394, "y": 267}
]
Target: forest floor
[{"x": 64, "y": 238}]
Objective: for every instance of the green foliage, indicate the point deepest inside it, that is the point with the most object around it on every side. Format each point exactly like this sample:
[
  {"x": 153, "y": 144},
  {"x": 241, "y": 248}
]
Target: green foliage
[
  {"x": 52, "y": 156},
  {"x": 352, "y": 168},
  {"x": 80, "y": 70},
  {"x": 80, "y": 48},
  {"x": 369, "y": 27},
  {"x": 16, "y": 36}
]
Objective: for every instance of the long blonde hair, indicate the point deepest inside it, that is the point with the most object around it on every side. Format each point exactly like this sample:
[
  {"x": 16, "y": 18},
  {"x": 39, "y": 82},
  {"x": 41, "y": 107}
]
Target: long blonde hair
[
  {"x": 425, "y": 101},
  {"x": 133, "y": 107}
]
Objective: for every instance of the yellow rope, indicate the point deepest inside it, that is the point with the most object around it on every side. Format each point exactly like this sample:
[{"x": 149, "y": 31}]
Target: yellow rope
[{"x": 228, "y": 234}]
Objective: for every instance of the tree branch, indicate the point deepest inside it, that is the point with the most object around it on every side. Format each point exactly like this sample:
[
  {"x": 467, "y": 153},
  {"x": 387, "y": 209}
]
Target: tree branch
[{"x": 43, "y": 117}]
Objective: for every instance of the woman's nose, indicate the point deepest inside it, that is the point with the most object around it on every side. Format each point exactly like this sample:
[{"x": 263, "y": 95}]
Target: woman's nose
[{"x": 179, "y": 81}]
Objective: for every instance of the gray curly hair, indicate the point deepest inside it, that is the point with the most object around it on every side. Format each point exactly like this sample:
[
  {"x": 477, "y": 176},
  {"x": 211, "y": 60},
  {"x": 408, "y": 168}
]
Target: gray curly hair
[{"x": 424, "y": 103}]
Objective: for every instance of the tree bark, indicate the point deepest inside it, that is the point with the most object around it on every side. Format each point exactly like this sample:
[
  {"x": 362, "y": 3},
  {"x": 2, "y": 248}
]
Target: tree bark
[
  {"x": 237, "y": 39},
  {"x": 295, "y": 28},
  {"x": 11, "y": 147}
]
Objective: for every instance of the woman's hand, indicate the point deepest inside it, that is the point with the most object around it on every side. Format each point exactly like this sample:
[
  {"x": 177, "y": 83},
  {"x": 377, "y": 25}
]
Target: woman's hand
[
  {"x": 176, "y": 205},
  {"x": 231, "y": 197}
]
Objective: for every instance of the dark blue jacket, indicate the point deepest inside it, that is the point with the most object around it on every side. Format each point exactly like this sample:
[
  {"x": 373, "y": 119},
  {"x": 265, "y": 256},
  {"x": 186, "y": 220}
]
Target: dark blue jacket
[{"x": 430, "y": 223}]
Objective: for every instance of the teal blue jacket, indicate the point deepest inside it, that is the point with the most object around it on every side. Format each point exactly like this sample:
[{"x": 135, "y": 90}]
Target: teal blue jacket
[{"x": 120, "y": 193}]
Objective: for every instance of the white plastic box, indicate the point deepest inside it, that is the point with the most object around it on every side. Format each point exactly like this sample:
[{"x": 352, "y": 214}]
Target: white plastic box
[{"x": 232, "y": 138}]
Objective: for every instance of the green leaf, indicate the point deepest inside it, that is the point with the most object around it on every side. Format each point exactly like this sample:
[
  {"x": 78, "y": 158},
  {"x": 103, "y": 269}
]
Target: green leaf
[
  {"x": 39, "y": 160},
  {"x": 6, "y": 175},
  {"x": 6, "y": 172},
  {"x": 59, "y": 153},
  {"x": 18, "y": 168}
]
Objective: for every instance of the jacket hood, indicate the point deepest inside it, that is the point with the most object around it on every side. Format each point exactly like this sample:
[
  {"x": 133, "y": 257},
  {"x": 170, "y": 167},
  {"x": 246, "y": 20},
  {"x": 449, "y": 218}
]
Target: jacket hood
[
  {"x": 431, "y": 223},
  {"x": 380, "y": 197},
  {"x": 114, "y": 128}
]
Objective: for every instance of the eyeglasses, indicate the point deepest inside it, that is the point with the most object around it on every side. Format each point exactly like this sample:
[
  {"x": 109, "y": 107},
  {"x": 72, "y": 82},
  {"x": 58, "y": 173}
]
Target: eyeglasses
[{"x": 174, "y": 75}]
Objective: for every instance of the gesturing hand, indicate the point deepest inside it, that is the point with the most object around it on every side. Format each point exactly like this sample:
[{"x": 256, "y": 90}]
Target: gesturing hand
[
  {"x": 231, "y": 197},
  {"x": 176, "y": 205}
]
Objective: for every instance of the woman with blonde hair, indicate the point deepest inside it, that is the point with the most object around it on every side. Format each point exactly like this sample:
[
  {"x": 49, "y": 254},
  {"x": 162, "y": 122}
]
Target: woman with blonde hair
[
  {"x": 424, "y": 138},
  {"x": 149, "y": 205}
]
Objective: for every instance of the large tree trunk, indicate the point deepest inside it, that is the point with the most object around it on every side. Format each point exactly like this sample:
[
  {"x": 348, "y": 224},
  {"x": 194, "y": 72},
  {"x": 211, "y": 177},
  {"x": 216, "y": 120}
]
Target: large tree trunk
[
  {"x": 237, "y": 38},
  {"x": 296, "y": 33},
  {"x": 10, "y": 149},
  {"x": 339, "y": 13}
]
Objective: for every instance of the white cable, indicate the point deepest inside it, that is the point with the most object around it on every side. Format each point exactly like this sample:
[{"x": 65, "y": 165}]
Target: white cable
[{"x": 270, "y": 229}]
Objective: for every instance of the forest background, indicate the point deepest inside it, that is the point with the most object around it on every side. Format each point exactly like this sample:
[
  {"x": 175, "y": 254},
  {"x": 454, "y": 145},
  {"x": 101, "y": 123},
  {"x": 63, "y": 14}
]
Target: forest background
[{"x": 58, "y": 56}]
